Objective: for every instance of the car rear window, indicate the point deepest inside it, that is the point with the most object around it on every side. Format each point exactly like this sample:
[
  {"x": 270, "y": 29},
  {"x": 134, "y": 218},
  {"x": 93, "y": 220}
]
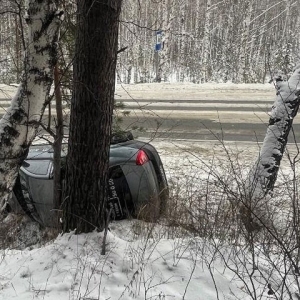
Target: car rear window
[{"x": 37, "y": 167}]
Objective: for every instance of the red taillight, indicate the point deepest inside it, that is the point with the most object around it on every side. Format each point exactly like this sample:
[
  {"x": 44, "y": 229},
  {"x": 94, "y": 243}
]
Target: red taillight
[{"x": 141, "y": 158}]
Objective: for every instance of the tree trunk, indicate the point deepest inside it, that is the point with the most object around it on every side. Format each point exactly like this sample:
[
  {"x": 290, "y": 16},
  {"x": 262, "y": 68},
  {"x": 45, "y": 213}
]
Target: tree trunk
[
  {"x": 91, "y": 115},
  {"x": 167, "y": 24},
  {"x": 57, "y": 144},
  {"x": 245, "y": 52},
  {"x": 263, "y": 175},
  {"x": 206, "y": 43},
  {"x": 19, "y": 125}
]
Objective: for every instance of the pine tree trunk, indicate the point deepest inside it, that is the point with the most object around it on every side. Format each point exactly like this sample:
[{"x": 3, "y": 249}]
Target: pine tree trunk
[
  {"x": 19, "y": 125},
  {"x": 91, "y": 115}
]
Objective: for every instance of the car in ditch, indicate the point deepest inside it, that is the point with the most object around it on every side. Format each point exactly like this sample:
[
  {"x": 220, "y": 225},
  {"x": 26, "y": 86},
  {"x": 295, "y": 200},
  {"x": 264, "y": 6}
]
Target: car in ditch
[{"x": 137, "y": 183}]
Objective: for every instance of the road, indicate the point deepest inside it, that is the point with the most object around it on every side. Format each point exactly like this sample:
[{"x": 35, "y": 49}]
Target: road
[
  {"x": 230, "y": 120},
  {"x": 227, "y": 119}
]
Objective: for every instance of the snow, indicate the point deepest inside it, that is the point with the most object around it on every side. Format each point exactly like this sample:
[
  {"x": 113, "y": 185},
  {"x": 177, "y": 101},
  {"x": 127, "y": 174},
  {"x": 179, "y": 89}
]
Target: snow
[
  {"x": 184, "y": 91},
  {"x": 189, "y": 91},
  {"x": 143, "y": 260},
  {"x": 274, "y": 143},
  {"x": 155, "y": 261},
  {"x": 72, "y": 268}
]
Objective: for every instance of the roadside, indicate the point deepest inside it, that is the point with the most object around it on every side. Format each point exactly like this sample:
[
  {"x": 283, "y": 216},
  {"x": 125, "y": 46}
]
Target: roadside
[
  {"x": 186, "y": 111},
  {"x": 190, "y": 91},
  {"x": 181, "y": 91}
]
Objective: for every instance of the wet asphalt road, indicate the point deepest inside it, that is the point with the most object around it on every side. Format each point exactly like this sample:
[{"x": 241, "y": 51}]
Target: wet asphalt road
[{"x": 228, "y": 120}]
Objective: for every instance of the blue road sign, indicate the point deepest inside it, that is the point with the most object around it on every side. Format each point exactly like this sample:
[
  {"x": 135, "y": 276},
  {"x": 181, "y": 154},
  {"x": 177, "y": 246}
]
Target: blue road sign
[{"x": 158, "y": 45}]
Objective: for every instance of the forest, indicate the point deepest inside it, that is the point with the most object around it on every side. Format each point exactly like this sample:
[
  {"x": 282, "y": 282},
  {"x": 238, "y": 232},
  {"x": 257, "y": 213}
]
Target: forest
[
  {"x": 230, "y": 227},
  {"x": 240, "y": 41}
]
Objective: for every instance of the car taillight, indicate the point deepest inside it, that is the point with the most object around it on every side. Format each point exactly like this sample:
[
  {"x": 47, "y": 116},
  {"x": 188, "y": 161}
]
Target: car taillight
[{"x": 141, "y": 158}]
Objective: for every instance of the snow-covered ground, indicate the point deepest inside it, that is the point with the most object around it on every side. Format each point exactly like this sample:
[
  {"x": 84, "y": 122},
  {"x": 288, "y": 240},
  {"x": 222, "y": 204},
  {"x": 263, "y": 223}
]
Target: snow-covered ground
[
  {"x": 143, "y": 260},
  {"x": 190, "y": 91},
  {"x": 155, "y": 261},
  {"x": 184, "y": 91},
  {"x": 72, "y": 268},
  {"x": 146, "y": 268}
]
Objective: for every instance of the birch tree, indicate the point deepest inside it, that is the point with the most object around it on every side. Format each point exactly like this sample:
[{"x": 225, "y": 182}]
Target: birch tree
[
  {"x": 19, "y": 125},
  {"x": 244, "y": 58},
  {"x": 263, "y": 175},
  {"x": 206, "y": 42},
  {"x": 227, "y": 40},
  {"x": 167, "y": 24}
]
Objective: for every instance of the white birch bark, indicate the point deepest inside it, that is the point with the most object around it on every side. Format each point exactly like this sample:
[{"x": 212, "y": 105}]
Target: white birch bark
[
  {"x": 206, "y": 42},
  {"x": 263, "y": 175},
  {"x": 182, "y": 41},
  {"x": 244, "y": 55},
  {"x": 167, "y": 27},
  {"x": 229, "y": 50},
  {"x": 19, "y": 125},
  {"x": 287, "y": 42}
]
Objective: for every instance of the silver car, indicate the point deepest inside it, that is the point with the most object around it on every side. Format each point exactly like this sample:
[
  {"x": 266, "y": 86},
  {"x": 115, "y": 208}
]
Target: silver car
[{"x": 137, "y": 181}]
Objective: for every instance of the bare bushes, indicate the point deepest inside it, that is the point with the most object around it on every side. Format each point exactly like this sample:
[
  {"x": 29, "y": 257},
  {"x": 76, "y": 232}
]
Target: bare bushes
[
  {"x": 203, "y": 198},
  {"x": 261, "y": 250},
  {"x": 17, "y": 231}
]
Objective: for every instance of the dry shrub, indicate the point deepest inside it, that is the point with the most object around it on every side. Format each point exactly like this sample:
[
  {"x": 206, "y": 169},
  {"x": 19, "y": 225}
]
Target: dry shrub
[
  {"x": 17, "y": 231},
  {"x": 263, "y": 253},
  {"x": 149, "y": 211}
]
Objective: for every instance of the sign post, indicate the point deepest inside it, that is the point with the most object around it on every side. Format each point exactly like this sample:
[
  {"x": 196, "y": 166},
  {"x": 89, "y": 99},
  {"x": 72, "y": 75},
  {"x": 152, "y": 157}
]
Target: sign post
[{"x": 158, "y": 47}]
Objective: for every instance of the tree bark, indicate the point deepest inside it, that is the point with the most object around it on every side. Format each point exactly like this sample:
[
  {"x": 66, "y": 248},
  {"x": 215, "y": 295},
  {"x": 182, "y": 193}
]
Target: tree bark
[
  {"x": 57, "y": 144},
  {"x": 167, "y": 24},
  {"x": 244, "y": 57},
  {"x": 263, "y": 175},
  {"x": 206, "y": 42},
  {"x": 19, "y": 125},
  {"x": 91, "y": 115}
]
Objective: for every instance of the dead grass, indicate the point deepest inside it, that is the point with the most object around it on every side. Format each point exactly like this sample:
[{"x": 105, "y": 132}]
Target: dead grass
[{"x": 17, "y": 231}]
